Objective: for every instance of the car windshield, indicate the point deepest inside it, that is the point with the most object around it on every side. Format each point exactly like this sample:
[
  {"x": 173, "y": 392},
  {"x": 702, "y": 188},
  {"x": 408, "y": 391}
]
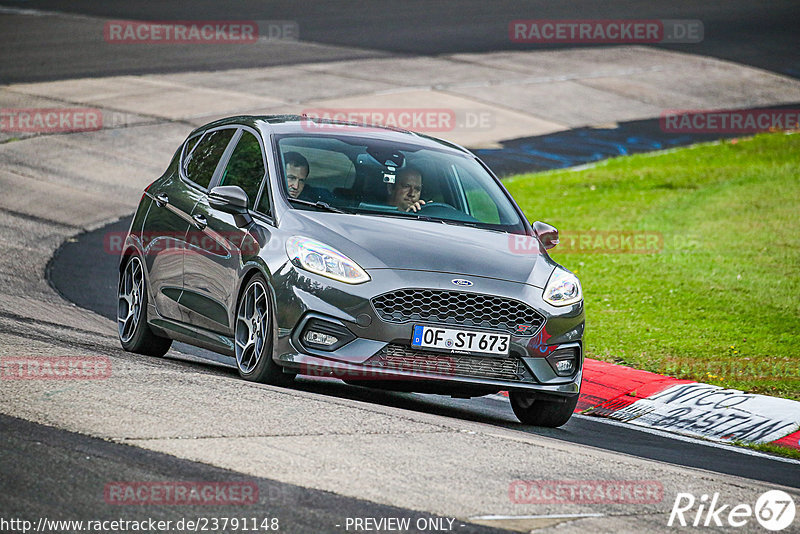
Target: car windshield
[{"x": 387, "y": 179}]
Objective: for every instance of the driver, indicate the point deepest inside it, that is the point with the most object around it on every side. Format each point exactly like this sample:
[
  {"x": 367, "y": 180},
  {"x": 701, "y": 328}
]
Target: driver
[
  {"x": 405, "y": 192},
  {"x": 296, "y": 175}
]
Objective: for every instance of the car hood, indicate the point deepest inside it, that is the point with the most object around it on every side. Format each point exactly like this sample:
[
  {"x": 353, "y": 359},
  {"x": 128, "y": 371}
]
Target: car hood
[{"x": 395, "y": 243}]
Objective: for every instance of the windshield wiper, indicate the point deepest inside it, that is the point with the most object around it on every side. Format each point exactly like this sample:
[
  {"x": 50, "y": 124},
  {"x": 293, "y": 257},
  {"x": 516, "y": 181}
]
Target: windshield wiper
[
  {"x": 417, "y": 217},
  {"x": 425, "y": 218},
  {"x": 400, "y": 215},
  {"x": 318, "y": 204},
  {"x": 456, "y": 222}
]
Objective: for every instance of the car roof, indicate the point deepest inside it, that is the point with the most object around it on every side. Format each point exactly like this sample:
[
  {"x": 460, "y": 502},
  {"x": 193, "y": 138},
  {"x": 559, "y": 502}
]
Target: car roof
[{"x": 301, "y": 124}]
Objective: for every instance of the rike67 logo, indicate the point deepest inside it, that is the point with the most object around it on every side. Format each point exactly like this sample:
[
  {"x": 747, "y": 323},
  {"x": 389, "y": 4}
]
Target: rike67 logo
[{"x": 774, "y": 510}]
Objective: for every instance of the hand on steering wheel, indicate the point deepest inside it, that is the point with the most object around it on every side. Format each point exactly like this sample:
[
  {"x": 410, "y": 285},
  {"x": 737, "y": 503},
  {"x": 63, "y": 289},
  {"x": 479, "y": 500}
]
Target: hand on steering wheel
[
  {"x": 418, "y": 205},
  {"x": 424, "y": 206}
]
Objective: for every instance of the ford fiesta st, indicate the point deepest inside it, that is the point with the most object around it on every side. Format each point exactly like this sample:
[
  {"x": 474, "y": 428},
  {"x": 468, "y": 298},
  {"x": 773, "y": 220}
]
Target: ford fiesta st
[{"x": 378, "y": 256}]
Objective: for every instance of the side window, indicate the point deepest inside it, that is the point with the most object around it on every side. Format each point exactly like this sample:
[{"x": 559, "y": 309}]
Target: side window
[
  {"x": 480, "y": 203},
  {"x": 204, "y": 158},
  {"x": 190, "y": 144},
  {"x": 264, "y": 205},
  {"x": 245, "y": 167}
]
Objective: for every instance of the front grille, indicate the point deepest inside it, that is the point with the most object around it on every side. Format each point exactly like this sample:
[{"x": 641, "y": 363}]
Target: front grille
[
  {"x": 402, "y": 358},
  {"x": 457, "y": 308}
]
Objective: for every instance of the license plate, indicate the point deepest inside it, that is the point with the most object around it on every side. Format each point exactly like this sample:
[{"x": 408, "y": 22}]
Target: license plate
[{"x": 432, "y": 337}]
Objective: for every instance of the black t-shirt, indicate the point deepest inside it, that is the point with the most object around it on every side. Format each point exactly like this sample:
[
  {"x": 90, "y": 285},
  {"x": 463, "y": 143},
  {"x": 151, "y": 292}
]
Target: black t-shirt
[{"x": 315, "y": 194}]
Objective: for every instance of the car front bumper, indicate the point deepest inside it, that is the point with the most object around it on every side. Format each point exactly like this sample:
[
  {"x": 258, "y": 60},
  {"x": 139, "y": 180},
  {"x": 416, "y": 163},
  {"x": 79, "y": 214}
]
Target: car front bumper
[{"x": 380, "y": 353}]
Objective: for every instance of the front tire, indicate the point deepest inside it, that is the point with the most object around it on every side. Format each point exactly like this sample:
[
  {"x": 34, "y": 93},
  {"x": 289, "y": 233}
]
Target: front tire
[
  {"x": 539, "y": 412},
  {"x": 253, "y": 336},
  {"x": 134, "y": 332}
]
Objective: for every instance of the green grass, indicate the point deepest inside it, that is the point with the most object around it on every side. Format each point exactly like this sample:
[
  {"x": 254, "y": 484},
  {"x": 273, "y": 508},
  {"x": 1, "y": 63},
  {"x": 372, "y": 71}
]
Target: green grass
[
  {"x": 770, "y": 448},
  {"x": 720, "y": 303}
]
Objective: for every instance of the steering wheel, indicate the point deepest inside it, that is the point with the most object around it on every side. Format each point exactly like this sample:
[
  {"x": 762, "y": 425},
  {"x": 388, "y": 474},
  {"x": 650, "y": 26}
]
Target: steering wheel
[
  {"x": 440, "y": 205},
  {"x": 446, "y": 212}
]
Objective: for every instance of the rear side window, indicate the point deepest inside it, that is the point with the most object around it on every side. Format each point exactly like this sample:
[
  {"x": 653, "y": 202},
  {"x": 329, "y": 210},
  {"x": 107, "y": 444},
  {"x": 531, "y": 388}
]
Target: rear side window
[
  {"x": 203, "y": 160},
  {"x": 245, "y": 167},
  {"x": 190, "y": 144}
]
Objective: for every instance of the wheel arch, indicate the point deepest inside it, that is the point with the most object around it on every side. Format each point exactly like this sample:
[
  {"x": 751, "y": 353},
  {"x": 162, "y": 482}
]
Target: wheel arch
[
  {"x": 132, "y": 249},
  {"x": 129, "y": 251}
]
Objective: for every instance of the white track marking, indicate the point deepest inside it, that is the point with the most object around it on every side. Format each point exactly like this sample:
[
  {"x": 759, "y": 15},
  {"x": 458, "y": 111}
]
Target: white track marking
[
  {"x": 551, "y": 516},
  {"x": 663, "y": 434}
]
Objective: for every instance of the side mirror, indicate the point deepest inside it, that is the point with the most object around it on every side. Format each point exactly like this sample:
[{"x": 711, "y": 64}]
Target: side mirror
[
  {"x": 546, "y": 233},
  {"x": 231, "y": 199}
]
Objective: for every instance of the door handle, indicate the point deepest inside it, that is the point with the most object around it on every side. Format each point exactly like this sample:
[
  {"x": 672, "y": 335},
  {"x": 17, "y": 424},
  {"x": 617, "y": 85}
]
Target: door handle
[
  {"x": 162, "y": 200},
  {"x": 200, "y": 221}
]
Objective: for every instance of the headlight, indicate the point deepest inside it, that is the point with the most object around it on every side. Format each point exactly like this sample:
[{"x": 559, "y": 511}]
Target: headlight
[
  {"x": 563, "y": 288},
  {"x": 322, "y": 259}
]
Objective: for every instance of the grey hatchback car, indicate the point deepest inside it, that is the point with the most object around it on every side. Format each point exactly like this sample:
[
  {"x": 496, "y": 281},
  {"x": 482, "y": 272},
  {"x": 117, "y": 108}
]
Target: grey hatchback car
[{"x": 378, "y": 256}]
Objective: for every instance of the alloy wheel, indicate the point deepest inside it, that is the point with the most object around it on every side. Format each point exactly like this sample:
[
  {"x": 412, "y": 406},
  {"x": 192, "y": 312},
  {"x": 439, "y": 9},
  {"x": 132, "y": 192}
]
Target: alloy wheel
[
  {"x": 129, "y": 306},
  {"x": 252, "y": 327}
]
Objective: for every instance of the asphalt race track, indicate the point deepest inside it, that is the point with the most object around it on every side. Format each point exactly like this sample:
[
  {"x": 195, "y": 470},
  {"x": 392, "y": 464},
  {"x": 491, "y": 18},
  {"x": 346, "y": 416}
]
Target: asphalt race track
[
  {"x": 86, "y": 255},
  {"x": 321, "y": 452},
  {"x": 739, "y": 31},
  {"x": 83, "y": 464}
]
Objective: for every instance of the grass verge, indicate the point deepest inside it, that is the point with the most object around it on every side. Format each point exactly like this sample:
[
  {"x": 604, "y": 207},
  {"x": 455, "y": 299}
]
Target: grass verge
[
  {"x": 718, "y": 298},
  {"x": 770, "y": 448}
]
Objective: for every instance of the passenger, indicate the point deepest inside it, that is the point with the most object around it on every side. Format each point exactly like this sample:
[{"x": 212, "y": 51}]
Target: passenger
[
  {"x": 405, "y": 192},
  {"x": 297, "y": 170}
]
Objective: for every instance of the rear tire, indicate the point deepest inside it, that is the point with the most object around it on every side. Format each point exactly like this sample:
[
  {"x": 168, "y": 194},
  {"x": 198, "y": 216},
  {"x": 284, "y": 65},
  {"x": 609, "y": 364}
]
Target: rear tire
[
  {"x": 134, "y": 332},
  {"x": 538, "y": 412},
  {"x": 253, "y": 336}
]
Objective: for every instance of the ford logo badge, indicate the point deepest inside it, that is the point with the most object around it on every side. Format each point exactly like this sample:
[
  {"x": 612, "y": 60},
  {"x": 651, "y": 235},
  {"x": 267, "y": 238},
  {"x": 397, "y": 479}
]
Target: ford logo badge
[{"x": 461, "y": 282}]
